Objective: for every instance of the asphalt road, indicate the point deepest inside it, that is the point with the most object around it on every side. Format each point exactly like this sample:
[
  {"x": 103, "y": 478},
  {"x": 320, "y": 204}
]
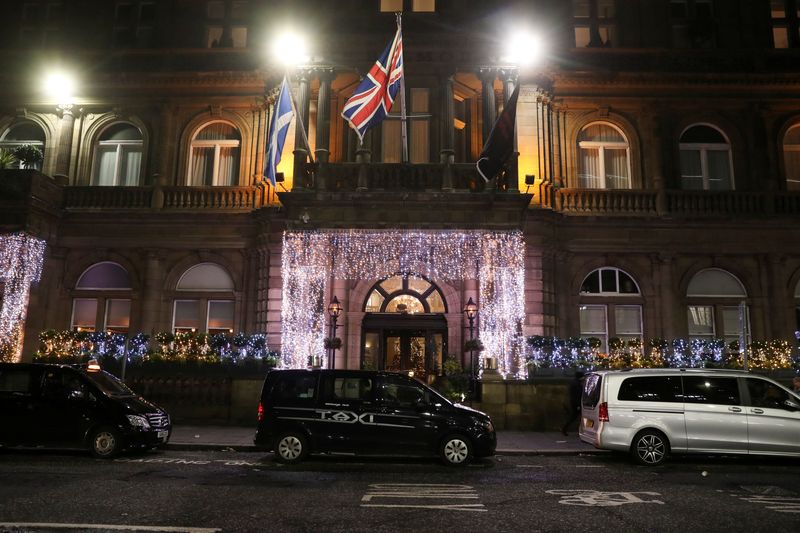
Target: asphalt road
[{"x": 238, "y": 491}]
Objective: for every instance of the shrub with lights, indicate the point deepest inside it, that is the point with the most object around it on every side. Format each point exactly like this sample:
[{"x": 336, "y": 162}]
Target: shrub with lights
[
  {"x": 186, "y": 348},
  {"x": 578, "y": 353}
]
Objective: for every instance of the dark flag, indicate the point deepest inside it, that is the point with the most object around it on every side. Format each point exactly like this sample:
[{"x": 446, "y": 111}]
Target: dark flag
[{"x": 500, "y": 144}]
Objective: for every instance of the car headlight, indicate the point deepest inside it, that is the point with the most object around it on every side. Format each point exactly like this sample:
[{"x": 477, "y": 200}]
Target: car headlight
[
  {"x": 138, "y": 422},
  {"x": 486, "y": 424}
]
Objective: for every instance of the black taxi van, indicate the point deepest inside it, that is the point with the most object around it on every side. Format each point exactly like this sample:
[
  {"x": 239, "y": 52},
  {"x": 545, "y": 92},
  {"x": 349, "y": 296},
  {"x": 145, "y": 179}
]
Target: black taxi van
[
  {"x": 61, "y": 406},
  {"x": 368, "y": 413}
]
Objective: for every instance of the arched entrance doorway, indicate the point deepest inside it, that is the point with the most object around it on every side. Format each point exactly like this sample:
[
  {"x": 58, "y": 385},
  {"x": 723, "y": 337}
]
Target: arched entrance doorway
[{"x": 404, "y": 327}]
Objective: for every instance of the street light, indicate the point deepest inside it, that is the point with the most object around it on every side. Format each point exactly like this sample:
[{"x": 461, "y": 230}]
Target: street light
[
  {"x": 290, "y": 48},
  {"x": 59, "y": 85},
  {"x": 471, "y": 311},
  {"x": 523, "y": 48},
  {"x": 334, "y": 310}
]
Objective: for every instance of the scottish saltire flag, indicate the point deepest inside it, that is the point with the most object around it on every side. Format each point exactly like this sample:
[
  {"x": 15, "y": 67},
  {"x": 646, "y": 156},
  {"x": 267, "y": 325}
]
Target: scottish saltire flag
[
  {"x": 281, "y": 118},
  {"x": 374, "y": 96}
]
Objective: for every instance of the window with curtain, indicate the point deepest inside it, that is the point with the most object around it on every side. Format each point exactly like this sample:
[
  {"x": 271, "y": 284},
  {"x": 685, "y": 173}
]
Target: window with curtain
[
  {"x": 603, "y": 158},
  {"x": 418, "y": 130},
  {"x": 21, "y": 134},
  {"x": 785, "y": 15},
  {"x": 713, "y": 297},
  {"x": 204, "y": 300},
  {"x": 118, "y": 156},
  {"x": 594, "y": 23},
  {"x": 610, "y": 306},
  {"x": 706, "y": 159},
  {"x": 214, "y": 155},
  {"x": 102, "y": 299},
  {"x": 791, "y": 158}
]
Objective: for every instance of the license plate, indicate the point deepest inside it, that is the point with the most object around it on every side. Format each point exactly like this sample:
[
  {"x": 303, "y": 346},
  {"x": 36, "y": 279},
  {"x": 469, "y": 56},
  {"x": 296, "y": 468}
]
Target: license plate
[
  {"x": 163, "y": 434},
  {"x": 588, "y": 422}
]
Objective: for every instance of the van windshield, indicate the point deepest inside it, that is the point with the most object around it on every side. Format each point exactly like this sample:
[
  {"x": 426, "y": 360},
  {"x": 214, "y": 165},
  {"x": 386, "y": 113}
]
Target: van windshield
[{"x": 109, "y": 385}]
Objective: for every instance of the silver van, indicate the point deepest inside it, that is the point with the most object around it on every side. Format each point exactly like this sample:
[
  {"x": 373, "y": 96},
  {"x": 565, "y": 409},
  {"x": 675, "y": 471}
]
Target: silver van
[{"x": 654, "y": 412}]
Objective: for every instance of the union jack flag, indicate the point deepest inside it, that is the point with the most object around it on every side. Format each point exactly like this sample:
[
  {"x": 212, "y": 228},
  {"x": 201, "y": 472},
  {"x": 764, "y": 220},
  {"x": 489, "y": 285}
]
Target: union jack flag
[{"x": 374, "y": 96}]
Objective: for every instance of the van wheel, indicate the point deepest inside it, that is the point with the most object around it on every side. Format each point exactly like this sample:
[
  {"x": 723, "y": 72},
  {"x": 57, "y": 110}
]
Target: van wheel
[
  {"x": 105, "y": 442},
  {"x": 291, "y": 448},
  {"x": 650, "y": 448},
  {"x": 456, "y": 450}
]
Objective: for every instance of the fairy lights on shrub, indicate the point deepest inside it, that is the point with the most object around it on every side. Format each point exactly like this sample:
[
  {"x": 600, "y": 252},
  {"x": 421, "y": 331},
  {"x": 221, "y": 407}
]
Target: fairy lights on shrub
[
  {"x": 310, "y": 259},
  {"x": 552, "y": 352},
  {"x": 21, "y": 258}
]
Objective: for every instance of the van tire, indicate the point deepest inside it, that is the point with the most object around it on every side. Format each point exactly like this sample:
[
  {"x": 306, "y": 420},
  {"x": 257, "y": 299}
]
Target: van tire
[
  {"x": 650, "y": 447},
  {"x": 456, "y": 450},
  {"x": 291, "y": 447},
  {"x": 105, "y": 442}
]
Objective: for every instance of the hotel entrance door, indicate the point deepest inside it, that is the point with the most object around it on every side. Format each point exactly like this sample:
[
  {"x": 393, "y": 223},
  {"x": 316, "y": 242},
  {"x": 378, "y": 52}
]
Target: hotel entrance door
[{"x": 404, "y": 344}]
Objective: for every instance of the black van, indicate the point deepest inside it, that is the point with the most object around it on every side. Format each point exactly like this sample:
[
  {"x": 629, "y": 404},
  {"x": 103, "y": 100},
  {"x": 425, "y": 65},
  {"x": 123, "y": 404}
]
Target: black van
[
  {"x": 60, "y": 406},
  {"x": 366, "y": 412}
]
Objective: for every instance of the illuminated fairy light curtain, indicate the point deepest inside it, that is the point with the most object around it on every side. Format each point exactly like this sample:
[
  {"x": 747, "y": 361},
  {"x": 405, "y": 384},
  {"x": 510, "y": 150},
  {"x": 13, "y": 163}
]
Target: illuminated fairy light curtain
[
  {"x": 21, "y": 258},
  {"x": 311, "y": 258}
]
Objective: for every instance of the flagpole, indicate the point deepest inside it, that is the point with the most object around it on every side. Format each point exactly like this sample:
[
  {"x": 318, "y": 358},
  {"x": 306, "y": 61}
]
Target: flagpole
[
  {"x": 299, "y": 121},
  {"x": 403, "y": 117}
]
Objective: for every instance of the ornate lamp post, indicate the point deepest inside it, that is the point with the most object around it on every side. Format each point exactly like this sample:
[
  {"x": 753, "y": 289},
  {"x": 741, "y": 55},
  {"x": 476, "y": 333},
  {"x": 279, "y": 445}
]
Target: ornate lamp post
[
  {"x": 471, "y": 312},
  {"x": 334, "y": 310}
]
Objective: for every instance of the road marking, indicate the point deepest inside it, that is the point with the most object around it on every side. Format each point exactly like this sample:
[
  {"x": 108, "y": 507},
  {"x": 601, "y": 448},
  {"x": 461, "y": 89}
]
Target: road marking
[
  {"x": 186, "y": 462},
  {"x": 589, "y": 466},
  {"x": 596, "y": 498},
  {"x": 417, "y": 496},
  {"x": 106, "y": 527},
  {"x": 530, "y": 466},
  {"x": 779, "y": 504}
]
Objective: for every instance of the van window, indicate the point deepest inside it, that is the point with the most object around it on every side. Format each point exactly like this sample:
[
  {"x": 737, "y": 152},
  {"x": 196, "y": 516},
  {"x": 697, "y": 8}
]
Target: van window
[
  {"x": 721, "y": 391},
  {"x": 347, "y": 388},
  {"x": 401, "y": 393},
  {"x": 59, "y": 384},
  {"x": 766, "y": 394},
  {"x": 17, "y": 380},
  {"x": 591, "y": 390},
  {"x": 295, "y": 388},
  {"x": 651, "y": 389}
]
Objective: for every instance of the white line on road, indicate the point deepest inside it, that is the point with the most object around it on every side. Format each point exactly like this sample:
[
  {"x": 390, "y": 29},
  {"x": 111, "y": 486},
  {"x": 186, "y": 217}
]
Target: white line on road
[
  {"x": 475, "y": 507},
  {"x": 418, "y": 496},
  {"x": 530, "y": 466},
  {"x": 114, "y": 527},
  {"x": 589, "y": 466}
]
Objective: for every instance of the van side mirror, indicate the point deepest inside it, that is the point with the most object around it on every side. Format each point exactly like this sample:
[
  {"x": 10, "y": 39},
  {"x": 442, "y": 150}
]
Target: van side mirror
[
  {"x": 791, "y": 405},
  {"x": 76, "y": 395}
]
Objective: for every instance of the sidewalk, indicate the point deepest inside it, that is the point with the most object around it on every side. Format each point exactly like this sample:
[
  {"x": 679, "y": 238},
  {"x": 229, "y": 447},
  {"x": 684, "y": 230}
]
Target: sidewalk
[{"x": 508, "y": 442}]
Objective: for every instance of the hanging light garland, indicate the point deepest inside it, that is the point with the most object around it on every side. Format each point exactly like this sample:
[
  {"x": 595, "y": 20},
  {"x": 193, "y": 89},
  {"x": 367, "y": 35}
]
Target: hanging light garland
[
  {"x": 21, "y": 258},
  {"x": 496, "y": 258}
]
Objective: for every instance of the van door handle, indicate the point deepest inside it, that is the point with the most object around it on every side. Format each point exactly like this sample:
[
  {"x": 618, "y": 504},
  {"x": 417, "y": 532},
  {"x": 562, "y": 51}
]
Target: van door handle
[
  {"x": 758, "y": 411},
  {"x": 735, "y": 409}
]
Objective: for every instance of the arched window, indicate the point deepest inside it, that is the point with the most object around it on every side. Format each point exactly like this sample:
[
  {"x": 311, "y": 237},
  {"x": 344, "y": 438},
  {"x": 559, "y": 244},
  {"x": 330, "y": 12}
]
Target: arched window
[
  {"x": 610, "y": 306},
  {"x": 603, "y": 158},
  {"x": 204, "y": 300},
  {"x": 713, "y": 296},
  {"x": 214, "y": 155},
  {"x": 118, "y": 155},
  {"x": 706, "y": 161},
  {"x": 405, "y": 294},
  {"x": 791, "y": 157},
  {"x": 102, "y": 299},
  {"x": 21, "y": 134}
]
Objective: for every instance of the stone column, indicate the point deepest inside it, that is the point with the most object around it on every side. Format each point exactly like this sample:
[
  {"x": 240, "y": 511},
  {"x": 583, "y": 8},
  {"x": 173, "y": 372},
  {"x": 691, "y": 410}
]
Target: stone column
[
  {"x": 300, "y": 148},
  {"x": 671, "y": 307},
  {"x": 447, "y": 133},
  {"x": 322, "y": 148},
  {"x": 262, "y": 285},
  {"x": 151, "y": 294},
  {"x": 487, "y": 76},
  {"x": 65, "y": 140},
  {"x": 509, "y": 78}
]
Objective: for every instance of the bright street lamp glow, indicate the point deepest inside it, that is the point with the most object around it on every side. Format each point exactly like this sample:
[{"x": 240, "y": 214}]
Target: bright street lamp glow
[
  {"x": 523, "y": 48},
  {"x": 60, "y": 86},
  {"x": 290, "y": 48}
]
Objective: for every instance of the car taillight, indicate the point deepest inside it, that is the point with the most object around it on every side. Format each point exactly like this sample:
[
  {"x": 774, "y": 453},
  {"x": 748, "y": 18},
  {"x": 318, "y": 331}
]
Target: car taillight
[
  {"x": 260, "y": 415},
  {"x": 602, "y": 412}
]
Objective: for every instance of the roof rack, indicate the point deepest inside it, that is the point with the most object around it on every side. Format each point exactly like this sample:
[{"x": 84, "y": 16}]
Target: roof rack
[{"x": 687, "y": 369}]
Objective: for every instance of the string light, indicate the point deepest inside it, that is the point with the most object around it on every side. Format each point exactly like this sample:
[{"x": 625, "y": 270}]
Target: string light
[
  {"x": 310, "y": 259},
  {"x": 21, "y": 258}
]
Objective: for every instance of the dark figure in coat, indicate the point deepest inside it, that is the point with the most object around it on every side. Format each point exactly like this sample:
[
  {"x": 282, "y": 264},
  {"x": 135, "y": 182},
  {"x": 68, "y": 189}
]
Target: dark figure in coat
[{"x": 575, "y": 392}]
